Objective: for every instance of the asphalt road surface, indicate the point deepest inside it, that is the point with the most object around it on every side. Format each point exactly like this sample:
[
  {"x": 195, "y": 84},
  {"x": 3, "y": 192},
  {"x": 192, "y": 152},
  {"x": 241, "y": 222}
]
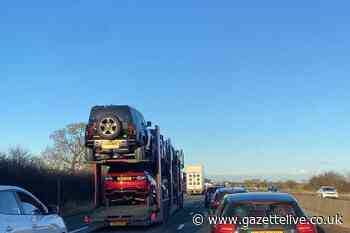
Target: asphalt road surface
[{"x": 181, "y": 222}]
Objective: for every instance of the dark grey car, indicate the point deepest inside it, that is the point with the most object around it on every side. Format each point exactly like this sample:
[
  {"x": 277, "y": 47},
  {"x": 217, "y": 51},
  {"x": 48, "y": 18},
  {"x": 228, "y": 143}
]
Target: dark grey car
[
  {"x": 262, "y": 205},
  {"x": 117, "y": 132}
]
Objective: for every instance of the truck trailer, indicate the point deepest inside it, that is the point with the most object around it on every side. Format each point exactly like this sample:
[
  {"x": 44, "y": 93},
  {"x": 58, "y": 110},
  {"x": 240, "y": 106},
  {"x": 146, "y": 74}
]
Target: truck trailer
[{"x": 137, "y": 205}]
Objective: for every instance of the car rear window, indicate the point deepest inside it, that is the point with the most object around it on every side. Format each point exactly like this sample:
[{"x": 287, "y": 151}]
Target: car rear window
[
  {"x": 220, "y": 195},
  {"x": 329, "y": 189},
  {"x": 122, "y": 112},
  {"x": 211, "y": 190},
  {"x": 261, "y": 209}
]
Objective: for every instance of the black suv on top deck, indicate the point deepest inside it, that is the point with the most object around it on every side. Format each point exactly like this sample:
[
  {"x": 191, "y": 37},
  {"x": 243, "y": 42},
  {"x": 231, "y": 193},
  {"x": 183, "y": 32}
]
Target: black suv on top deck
[{"x": 117, "y": 131}]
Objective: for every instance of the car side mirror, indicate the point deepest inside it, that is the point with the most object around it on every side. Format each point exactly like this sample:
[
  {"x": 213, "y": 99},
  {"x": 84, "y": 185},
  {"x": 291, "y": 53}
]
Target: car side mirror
[
  {"x": 52, "y": 209},
  {"x": 149, "y": 123}
]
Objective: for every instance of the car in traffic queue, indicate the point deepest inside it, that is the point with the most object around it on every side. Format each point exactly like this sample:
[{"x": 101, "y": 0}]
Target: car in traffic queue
[
  {"x": 219, "y": 195},
  {"x": 22, "y": 212},
  {"x": 261, "y": 204},
  {"x": 328, "y": 192},
  {"x": 272, "y": 188},
  {"x": 209, "y": 193}
]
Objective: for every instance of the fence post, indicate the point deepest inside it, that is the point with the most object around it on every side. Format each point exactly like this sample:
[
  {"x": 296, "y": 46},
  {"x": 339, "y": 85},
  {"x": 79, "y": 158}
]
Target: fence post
[{"x": 59, "y": 192}]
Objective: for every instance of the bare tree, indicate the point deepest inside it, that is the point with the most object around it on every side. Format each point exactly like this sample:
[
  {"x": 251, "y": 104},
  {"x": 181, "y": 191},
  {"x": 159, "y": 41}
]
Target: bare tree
[
  {"x": 19, "y": 155},
  {"x": 330, "y": 179},
  {"x": 2, "y": 155},
  {"x": 290, "y": 184},
  {"x": 68, "y": 151}
]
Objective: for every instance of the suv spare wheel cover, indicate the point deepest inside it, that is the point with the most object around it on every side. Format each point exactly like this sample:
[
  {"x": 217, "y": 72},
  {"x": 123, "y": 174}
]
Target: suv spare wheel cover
[{"x": 108, "y": 126}]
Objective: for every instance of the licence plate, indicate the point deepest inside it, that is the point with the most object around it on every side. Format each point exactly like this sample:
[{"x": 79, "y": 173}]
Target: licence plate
[
  {"x": 267, "y": 231},
  {"x": 118, "y": 223},
  {"x": 110, "y": 144},
  {"x": 126, "y": 178}
]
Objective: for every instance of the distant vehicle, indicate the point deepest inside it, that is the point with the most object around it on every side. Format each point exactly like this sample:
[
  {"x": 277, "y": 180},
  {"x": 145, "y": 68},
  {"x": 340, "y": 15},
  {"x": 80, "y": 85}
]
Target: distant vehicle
[
  {"x": 209, "y": 193},
  {"x": 195, "y": 179},
  {"x": 135, "y": 185},
  {"x": 328, "y": 192},
  {"x": 220, "y": 194},
  {"x": 259, "y": 204},
  {"x": 253, "y": 189},
  {"x": 21, "y": 212},
  {"x": 117, "y": 131},
  {"x": 272, "y": 189}
]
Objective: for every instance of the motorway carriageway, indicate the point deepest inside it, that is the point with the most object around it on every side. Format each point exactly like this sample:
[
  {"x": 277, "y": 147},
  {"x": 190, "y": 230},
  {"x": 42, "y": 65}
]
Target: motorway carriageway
[{"x": 180, "y": 222}]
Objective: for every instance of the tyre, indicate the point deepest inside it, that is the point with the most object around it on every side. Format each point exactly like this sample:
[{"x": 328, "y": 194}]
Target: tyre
[{"x": 108, "y": 126}]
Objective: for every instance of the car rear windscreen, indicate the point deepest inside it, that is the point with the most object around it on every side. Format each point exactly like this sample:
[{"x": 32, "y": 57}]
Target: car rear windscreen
[
  {"x": 261, "y": 209},
  {"x": 220, "y": 195},
  {"x": 329, "y": 189},
  {"x": 211, "y": 190}
]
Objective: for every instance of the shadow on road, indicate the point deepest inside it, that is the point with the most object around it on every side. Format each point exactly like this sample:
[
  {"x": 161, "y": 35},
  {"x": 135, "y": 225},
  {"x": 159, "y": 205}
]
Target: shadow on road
[
  {"x": 332, "y": 229},
  {"x": 321, "y": 230},
  {"x": 130, "y": 228}
]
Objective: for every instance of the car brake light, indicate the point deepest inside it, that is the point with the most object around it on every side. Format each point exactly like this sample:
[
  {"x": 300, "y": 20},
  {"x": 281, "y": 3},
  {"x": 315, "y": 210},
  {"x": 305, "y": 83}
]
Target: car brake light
[
  {"x": 225, "y": 228},
  {"x": 98, "y": 151},
  {"x": 306, "y": 228},
  {"x": 87, "y": 219},
  {"x": 90, "y": 131},
  {"x": 216, "y": 204},
  {"x": 131, "y": 131},
  {"x": 154, "y": 217}
]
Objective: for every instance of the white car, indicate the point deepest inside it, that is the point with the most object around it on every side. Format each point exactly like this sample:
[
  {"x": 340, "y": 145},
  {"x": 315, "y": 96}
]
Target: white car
[
  {"x": 327, "y": 192},
  {"x": 21, "y": 212}
]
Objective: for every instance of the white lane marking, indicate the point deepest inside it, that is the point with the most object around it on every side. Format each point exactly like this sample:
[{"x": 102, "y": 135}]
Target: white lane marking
[
  {"x": 79, "y": 230},
  {"x": 181, "y": 227}
]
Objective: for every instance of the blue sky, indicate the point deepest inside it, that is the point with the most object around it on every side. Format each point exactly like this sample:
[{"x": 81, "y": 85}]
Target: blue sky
[{"x": 245, "y": 88}]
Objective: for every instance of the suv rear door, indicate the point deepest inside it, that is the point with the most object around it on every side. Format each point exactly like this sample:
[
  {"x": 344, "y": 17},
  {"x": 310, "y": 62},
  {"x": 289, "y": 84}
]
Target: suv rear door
[{"x": 11, "y": 218}]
